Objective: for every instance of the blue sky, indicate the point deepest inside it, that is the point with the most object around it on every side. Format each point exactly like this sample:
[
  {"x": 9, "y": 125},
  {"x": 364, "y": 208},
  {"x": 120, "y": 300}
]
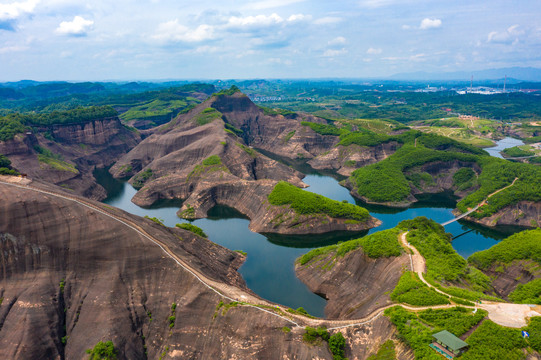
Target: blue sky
[{"x": 172, "y": 39}]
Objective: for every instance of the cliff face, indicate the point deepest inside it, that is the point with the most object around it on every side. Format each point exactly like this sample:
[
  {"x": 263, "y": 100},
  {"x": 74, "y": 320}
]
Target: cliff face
[
  {"x": 69, "y": 153},
  {"x": 506, "y": 278},
  {"x": 250, "y": 198},
  {"x": 287, "y": 138},
  {"x": 71, "y": 277},
  {"x": 345, "y": 160},
  {"x": 523, "y": 213},
  {"x": 354, "y": 285},
  {"x": 175, "y": 161}
]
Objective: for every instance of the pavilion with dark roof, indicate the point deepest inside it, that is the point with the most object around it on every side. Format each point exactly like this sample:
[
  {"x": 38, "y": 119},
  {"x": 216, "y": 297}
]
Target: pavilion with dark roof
[{"x": 448, "y": 345}]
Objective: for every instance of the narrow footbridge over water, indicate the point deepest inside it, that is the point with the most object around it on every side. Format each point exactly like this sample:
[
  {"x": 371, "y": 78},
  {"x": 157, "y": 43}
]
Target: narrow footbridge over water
[
  {"x": 461, "y": 216},
  {"x": 484, "y": 202}
]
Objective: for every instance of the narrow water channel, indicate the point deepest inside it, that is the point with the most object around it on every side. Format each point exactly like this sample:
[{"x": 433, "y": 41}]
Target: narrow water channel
[{"x": 269, "y": 267}]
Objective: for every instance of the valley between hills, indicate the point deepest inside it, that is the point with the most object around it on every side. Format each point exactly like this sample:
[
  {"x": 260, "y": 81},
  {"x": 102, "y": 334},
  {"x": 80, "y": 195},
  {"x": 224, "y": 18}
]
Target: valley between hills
[{"x": 80, "y": 275}]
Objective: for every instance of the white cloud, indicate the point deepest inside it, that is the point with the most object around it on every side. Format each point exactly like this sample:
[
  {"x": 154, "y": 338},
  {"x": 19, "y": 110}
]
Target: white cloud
[
  {"x": 340, "y": 40},
  {"x": 77, "y": 27},
  {"x": 247, "y": 23},
  {"x": 14, "y": 10},
  {"x": 335, "y": 52},
  {"x": 374, "y": 51},
  {"x": 268, "y": 4},
  {"x": 327, "y": 20},
  {"x": 427, "y": 23},
  {"x": 172, "y": 31},
  {"x": 258, "y": 20},
  {"x": 406, "y": 27},
  {"x": 508, "y": 36},
  {"x": 376, "y": 3},
  {"x": 205, "y": 49},
  {"x": 11, "y": 49},
  {"x": 280, "y": 61},
  {"x": 298, "y": 17}
]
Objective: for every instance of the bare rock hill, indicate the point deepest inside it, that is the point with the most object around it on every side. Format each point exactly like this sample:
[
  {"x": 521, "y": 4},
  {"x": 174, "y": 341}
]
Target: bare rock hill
[
  {"x": 202, "y": 157},
  {"x": 66, "y": 155},
  {"x": 354, "y": 285},
  {"x": 71, "y": 277}
]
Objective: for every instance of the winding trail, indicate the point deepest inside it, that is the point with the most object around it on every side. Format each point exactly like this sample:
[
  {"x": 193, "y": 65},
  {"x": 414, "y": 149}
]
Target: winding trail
[
  {"x": 505, "y": 314},
  {"x": 478, "y": 205},
  {"x": 233, "y": 293}
]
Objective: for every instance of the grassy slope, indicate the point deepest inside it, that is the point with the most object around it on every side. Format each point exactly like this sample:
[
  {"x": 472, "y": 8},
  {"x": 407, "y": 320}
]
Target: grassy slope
[{"x": 305, "y": 202}]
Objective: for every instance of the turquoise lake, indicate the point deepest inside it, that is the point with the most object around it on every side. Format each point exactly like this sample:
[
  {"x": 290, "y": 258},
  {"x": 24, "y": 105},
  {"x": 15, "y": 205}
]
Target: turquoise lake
[{"x": 269, "y": 267}]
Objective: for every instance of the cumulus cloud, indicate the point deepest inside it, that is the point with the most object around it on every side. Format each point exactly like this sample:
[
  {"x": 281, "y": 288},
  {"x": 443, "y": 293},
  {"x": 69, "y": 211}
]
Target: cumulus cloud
[
  {"x": 173, "y": 31},
  {"x": 327, "y": 20},
  {"x": 268, "y": 4},
  {"x": 427, "y": 23},
  {"x": 335, "y": 52},
  {"x": 11, "y": 49},
  {"x": 262, "y": 21},
  {"x": 10, "y": 13},
  {"x": 509, "y": 36},
  {"x": 340, "y": 40},
  {"x": 79, "y": 26},
  {"x": 280, "y": 61},
  {"x": 374, "y": 51},
  {"x": 254, "y": 21},
  {"x": 376, "y": 3},
  {"x": 14, "y": 10}
]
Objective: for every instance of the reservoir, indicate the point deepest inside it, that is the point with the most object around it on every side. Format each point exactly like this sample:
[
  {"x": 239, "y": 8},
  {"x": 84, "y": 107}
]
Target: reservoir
[
  {"x": 503, "y": 144},
  {"x": 269, "y": 267}
]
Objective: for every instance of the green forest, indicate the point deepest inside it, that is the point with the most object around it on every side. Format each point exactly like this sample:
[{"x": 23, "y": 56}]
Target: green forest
[{"x": 305, "y": 202}]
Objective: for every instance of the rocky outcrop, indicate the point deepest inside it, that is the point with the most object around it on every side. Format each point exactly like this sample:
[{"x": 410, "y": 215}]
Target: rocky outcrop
[
  {"x": 523, "y": 213},
  {"x": 72, "y": 277},
  {"x": 250, "y": 198},
  {"x": 442, "y": 177},
  {"x": 286, "y": 137},
  {"x": 354, "y": 285},
  {"x": 506, "y": 277},
  {"x": 439, "y": 180},
  {"x": 175, "y": 162},
  {"x": 345, "y": 159},
  {"x": 69, "y": 153}
]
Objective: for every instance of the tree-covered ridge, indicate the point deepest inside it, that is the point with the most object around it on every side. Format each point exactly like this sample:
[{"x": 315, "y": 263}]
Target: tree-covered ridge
[
  {"x": 364, "y": 137},
  {"x": 525, "y": 245},
  {"x": 77, "y": 115},
  {"x": 411, "y": 290},
  {"x": 14, "y": 123},
  {"x": 416, "y": 330},
  {"x": 529, "y": 293},
  {"x": 443, "y": 264},
  {"x": 385, "y": 181},
  {"x": 11, "y": 125},
  {"x": 5, "y": 166},
  {"x": 228, "y": 92},
  {"x": 380, "y": 244},
  {"x": 305, "y": 202},
  {"x": 497, "y": 174}
]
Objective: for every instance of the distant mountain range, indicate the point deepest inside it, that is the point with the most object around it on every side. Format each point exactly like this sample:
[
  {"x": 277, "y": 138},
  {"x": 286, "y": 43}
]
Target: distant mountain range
[{"x": 513, "y": 73}]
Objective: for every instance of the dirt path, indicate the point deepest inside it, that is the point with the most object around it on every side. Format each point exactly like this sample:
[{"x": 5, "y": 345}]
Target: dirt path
[
  {"x": 497, "y": 191},
  {"x": 418, "y": 262},
  {"x": 505, "y": 314},
  {"x": 478, "y": 205},
  {"x": 501, "y": 312}
]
